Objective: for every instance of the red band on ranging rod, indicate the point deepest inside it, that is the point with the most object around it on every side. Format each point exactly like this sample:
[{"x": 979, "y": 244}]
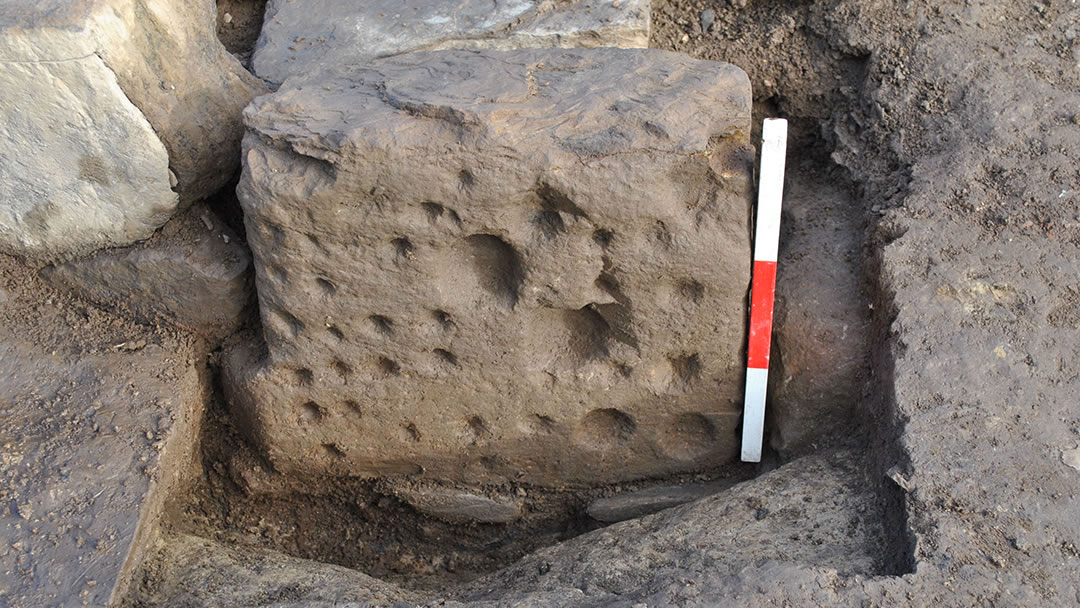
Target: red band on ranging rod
[
  {"x": 761, "y": 314},
  {"x": 766, "y": 243}
]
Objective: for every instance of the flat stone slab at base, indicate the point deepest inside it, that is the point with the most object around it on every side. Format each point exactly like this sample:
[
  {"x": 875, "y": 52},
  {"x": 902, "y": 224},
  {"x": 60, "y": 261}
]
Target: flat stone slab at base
[
  {"x": 299, "y": 37},
  {"x": 460, "y": 506},
  {"x": 483, "y": 266},
  {"x": 630, "y": 505},
  {"x": 195, "y": 275},
  {"x": 90, "y": 447}
]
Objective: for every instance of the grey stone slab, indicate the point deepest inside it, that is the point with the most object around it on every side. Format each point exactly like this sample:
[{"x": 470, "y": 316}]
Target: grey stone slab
[
  {"x": 638, "y": 503},
  {"x": 490, "y": 265},
  {"x": 298, "y": 37},
  {"x": 460, "y": 506}
]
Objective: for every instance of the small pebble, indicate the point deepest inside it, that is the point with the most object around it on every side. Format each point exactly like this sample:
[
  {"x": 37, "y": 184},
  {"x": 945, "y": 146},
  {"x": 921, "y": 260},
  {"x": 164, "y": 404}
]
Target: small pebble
[
  {"x": 708, "y": 16},
  {"x": 1071, "y": 458},
  {"x": 227, "y": 18}
]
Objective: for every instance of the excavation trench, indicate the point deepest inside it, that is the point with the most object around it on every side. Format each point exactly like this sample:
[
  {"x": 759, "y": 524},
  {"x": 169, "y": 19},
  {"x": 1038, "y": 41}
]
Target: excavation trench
[
  {"x": 828, "y": 349},
  {"x": 238, "y": 501}
]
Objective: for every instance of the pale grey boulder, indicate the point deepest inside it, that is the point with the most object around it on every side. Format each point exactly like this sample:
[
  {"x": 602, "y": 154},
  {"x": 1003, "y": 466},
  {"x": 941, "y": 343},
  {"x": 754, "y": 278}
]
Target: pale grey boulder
[
  {"x": 82, "y": 167},
  {"x": 115, "y": 114},
  {"x": 298, "y": 37},
  {"x": 483, "y": 266}
]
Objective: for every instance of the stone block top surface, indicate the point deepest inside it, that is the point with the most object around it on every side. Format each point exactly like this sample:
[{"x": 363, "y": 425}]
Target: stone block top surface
[
  {"x": 298, "y": 37},
  {"x": 492, "y": 265}
]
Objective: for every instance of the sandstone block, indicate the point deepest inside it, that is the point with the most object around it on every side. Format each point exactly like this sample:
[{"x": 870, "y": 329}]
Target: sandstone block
[
  {"x": 114, "y": 112},
  {"x": 298, "y": 37},
  {"x": 195, "y": 275},
  {"x": 499, "y": 265}
]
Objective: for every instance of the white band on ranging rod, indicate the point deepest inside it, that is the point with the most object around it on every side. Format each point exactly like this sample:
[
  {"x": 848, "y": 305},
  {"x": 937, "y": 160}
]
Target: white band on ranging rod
[{"x": 766, "y": 242}]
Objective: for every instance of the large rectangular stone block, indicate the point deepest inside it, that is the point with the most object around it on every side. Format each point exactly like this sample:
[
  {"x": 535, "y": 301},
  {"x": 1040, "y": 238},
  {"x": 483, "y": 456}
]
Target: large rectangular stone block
[{"x": 483, "y": 266}]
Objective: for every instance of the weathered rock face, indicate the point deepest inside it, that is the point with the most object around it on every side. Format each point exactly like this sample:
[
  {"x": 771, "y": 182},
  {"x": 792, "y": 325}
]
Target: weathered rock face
[
  {"x": 481, "y": 266},
  {"x": 195, "y": 275},
  {"x": 114, "y": 112},
  {"x": 298, "y": 37}
]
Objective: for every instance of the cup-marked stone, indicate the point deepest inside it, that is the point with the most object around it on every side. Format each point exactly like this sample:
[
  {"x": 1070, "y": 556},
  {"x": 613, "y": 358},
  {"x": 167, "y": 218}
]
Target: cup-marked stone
[{"x": 482, "y": 266}]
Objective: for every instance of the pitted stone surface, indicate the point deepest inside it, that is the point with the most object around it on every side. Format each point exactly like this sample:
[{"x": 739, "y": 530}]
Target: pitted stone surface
[
  {"x": 115, "y": 113},
  {"x": 499, "y": 265},
  {"x": 298, "y": 37}
]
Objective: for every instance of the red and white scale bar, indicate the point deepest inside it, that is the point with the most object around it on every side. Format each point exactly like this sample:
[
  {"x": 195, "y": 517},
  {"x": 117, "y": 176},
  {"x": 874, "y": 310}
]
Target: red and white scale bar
[{"x": 766, "y": 241}]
